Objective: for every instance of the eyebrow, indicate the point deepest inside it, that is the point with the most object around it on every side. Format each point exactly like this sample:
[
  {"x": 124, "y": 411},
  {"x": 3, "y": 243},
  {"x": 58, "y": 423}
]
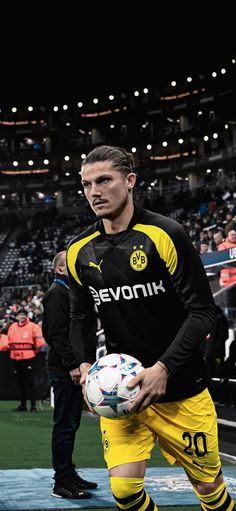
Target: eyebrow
[{"x": 106, "y": 176}]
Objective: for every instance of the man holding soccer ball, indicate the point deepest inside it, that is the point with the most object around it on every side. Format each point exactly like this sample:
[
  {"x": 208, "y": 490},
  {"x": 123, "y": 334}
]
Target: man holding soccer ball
[{"x": 151, "y": 292}]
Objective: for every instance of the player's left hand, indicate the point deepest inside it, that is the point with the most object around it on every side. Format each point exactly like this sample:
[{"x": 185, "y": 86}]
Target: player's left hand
[{"x": 153, "y": 381}]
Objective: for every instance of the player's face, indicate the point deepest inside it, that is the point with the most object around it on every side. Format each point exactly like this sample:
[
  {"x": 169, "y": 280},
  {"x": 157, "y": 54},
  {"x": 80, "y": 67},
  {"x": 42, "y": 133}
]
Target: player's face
[{"x": 106, "y": 188}]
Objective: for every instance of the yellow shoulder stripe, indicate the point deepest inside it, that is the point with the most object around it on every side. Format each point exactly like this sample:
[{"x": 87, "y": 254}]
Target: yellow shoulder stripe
[
  {"x": 163, "y": 242},
  {"x": 73, "y": 251}
]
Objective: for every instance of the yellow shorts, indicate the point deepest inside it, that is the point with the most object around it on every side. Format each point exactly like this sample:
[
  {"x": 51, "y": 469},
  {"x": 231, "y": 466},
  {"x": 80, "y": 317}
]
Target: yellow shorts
[{"x": 186, "y": 430}]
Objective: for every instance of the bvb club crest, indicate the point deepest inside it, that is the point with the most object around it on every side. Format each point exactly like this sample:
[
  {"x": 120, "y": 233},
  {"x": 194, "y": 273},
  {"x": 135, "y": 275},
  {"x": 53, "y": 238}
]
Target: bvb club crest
[
  {"x": 105, "y": 442},
  {"x": 138, "y": 259}
]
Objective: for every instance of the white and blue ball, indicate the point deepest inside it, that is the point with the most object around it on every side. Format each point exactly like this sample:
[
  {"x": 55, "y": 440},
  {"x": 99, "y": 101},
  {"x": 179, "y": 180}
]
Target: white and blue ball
[{"x": 106, "y": 384}]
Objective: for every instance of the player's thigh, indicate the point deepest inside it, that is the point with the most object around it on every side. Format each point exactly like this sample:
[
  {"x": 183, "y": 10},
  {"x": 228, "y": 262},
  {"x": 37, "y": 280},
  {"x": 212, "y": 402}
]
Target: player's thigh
[
  {"x": 126, "y": 441},
  {"x": 135, "y": 469},
  {"x": 191, "y": 438}
]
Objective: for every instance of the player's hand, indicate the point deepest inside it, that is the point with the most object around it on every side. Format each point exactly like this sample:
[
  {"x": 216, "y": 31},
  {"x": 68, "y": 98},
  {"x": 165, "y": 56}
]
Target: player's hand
[
  {"x": 75, "y": 376},
  {"x": 153, "y": 381},
  {"x": 84, "y": 369}
]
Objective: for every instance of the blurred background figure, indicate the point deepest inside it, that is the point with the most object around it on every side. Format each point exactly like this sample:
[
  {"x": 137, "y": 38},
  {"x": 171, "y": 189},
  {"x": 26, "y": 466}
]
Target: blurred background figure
[
  {"x": 68, "y": 397},
  {"x": 215, "y": 345},
  {"x": 228, "y": 273},
  {"x": 204, "y": 247},
  {"x": 25, "y": 338},
  {"x": 218, "y": 238},
  {"x": 229, "y": 375},
  {"x": 3, "y": 338}
]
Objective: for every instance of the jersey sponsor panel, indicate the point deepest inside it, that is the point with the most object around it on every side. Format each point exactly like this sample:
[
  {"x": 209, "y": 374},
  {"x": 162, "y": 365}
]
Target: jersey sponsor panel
[{"x": 127, "y": 292}]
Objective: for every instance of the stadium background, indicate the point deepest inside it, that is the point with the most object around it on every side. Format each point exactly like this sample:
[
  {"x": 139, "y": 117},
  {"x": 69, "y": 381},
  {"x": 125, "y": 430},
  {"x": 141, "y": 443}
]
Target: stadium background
[{"x": 41, "y": 200}]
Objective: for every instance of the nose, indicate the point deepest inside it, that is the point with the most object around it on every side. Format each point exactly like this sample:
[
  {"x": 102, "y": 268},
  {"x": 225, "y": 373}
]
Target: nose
[{"x": 95, "y": 192}]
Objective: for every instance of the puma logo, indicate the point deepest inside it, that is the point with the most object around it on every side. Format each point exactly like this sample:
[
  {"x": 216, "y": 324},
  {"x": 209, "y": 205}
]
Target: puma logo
[{"x": 98, "y": 266}]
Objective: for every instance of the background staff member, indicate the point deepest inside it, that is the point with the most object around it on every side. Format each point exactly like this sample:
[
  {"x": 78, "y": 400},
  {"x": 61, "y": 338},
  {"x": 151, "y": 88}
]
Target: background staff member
[
  {"x": 68, "y": 398},
  {"x": 25, "y": 339}
]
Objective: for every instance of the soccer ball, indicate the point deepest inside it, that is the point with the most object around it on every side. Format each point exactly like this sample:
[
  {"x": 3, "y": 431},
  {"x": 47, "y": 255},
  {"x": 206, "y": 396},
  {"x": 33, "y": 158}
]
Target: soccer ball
[{"x": 106, "y": 384}]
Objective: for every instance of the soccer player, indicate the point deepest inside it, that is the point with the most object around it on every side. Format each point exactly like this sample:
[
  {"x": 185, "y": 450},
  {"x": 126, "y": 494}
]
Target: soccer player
[{"x": 150, "y": 289}]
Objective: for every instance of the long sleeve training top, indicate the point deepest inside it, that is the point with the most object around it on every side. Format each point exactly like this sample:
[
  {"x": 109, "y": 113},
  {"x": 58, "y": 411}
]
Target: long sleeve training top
[{"x": 152, "y": 295}]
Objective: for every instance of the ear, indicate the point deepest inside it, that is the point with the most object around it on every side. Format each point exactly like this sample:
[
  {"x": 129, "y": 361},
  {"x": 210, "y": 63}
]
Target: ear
[{"x": 131, "y": 180}]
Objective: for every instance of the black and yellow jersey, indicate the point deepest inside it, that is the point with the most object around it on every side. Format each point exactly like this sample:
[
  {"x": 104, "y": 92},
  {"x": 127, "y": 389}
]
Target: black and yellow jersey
[{"x": 152, "y": 295}]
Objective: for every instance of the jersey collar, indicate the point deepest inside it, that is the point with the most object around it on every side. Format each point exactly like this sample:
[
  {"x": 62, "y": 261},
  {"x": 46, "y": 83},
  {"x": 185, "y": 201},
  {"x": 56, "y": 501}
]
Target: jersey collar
[{"x": 137, "y": 215}]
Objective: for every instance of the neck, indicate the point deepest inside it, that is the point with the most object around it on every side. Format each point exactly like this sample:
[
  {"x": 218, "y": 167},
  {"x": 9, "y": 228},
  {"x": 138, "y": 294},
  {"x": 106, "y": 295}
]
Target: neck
[
  {"x": 22, "y": 322},
  {"x": 62, "y": 279},
  {"x": 61, "y": 276},
  {"x": 120, "y": 222}
]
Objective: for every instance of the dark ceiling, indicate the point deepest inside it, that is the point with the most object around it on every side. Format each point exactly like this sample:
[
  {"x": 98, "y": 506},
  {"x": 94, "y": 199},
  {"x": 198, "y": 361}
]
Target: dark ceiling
[
  {"x": 62, "y": 61},
  {"x": 53, "y": 81}
]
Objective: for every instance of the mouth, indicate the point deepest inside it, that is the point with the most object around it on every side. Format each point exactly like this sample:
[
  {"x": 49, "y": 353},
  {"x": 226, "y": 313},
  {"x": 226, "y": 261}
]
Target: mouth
[{"x": 97, "y": 204}]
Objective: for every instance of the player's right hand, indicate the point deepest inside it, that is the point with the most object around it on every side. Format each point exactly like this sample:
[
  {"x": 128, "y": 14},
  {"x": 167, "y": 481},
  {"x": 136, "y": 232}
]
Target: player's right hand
[{"x": 153, "y": 381}]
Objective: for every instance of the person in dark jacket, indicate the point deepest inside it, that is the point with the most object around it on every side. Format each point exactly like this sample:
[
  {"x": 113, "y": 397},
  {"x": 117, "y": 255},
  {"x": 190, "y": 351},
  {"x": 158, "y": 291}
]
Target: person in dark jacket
[
  {"x": 215, "y": 344},
  {"x": 68, "y": 398},
  {"x": 152, "y": 296}
]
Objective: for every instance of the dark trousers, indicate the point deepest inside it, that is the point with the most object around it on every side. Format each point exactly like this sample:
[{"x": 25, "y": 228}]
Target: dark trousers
[
  {"x": 68, "y": 403},
  {"x": 25, "y": 371}
]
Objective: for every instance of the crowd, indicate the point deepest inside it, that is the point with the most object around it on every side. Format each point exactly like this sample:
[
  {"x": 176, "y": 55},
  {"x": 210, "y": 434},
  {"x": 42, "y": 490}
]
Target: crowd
[{"x": 208, "y": 219}]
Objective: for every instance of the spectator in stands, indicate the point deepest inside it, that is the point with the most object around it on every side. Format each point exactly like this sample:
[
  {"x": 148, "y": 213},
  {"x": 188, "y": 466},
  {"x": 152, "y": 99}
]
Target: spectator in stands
[
  {"x": 231, "y": 223},
  {"x": 210, "y": 239},
  {"x": 25, "y": 339},
  {"x": 218, "y": 237},
  {"x": 202, "y": 236},
  {"x": 212, "y": 204},
  {"x": 204, "y": 247},
  {"x": 9, "y": 318},
  {"x": 219, "y": 220},
  {"x": 228, "y": 273},
  {"x": 3, "y": 338},
  {"x": 68, "y": 397},
  {"x": 203, "y": 209}
]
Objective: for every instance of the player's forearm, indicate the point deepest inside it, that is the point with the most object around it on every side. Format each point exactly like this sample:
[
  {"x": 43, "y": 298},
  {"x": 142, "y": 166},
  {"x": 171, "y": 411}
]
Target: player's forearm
[{"x": 193, "y": 331}]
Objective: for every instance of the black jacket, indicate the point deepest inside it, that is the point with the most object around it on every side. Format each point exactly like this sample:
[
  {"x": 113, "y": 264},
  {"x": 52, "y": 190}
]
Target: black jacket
[
  {"x": 152, "y": 295},
  {"x": 56, "y": 325}
]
